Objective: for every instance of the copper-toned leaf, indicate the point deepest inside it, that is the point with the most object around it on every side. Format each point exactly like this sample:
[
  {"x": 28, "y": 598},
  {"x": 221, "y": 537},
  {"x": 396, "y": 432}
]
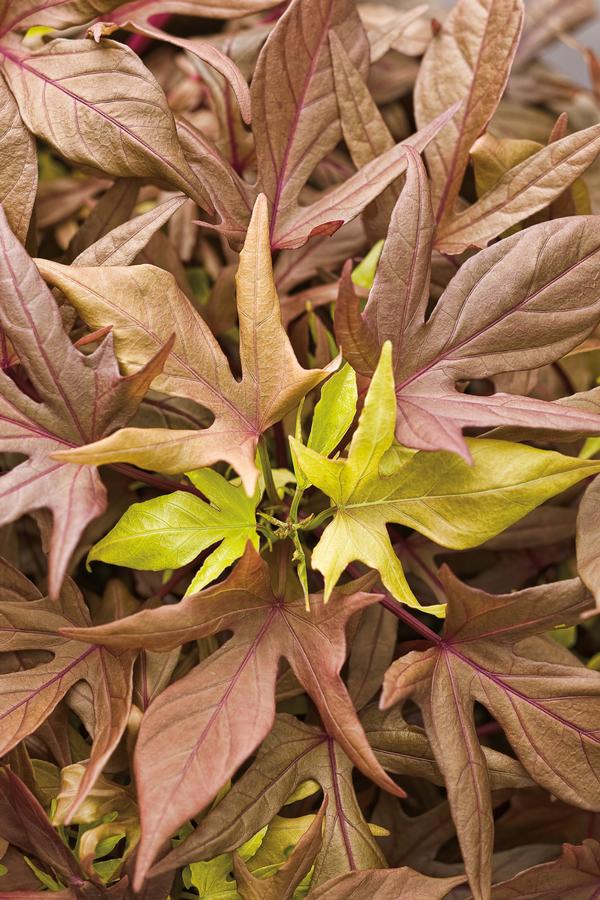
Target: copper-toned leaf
[
  {"x": 18, "y": 174},
  {"x": 28, "y": 695},
  {"x": 575, "y": 874},
  {"x": 292, "y": 754},
  {"x": 237, "y": 684},
  {"x": 487, "y": 655},
  {"x": 468, "y": 59},
  {"x": 477, "y": 329},
  {"x": 272, "y": 384},
  {"x": 72, "y": 399},
  {"x": 104, "y": 88}
]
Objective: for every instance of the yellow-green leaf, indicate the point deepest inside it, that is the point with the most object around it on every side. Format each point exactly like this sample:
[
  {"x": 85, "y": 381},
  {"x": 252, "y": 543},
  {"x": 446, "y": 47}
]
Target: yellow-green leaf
[
  {"x": 170, "y": 531},
  {"x": 454, "y": 503}
]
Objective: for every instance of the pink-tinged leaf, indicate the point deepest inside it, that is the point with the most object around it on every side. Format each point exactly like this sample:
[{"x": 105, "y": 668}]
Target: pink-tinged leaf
[
  {"x": 71, "y": 90},
  {"x": 79, "y": 398},
  {"x": 24, "y": 824},
  {"x": 269, "y": 621},
  {"x": 470, "y": 57},
  {"x": 197, "y": 368},
  {"x": 488, "y": 653},
  {"x": 344, "y": 203},
  {"x": 18, "y": 174},
  {"x": 522, "y": 191},
  {"x": 19, "y": 15},
  {"x": 520, "y": 304},
  {"x": 391, "y": 884},
  {"x": 230, "y": 195},
  {"x": 146, "y": 10},
  {"x": 28, "y": 695},
  {"x": 575, "y": 874},
  {"x": 121, "y": 246},
  {"x": 202, "y": 49},
  {"x": 293, "y": 96}
]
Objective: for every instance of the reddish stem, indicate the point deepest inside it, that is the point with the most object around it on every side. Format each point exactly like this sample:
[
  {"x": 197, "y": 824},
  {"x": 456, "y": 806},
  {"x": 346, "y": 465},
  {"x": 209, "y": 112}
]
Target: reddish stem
[{"x": 161, "y": 484}]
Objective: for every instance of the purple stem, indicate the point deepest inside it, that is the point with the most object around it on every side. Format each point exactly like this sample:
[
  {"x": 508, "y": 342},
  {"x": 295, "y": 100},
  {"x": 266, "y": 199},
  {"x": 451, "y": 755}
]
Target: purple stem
[
  {"x": 161, "y": 484},
  {"x": 139, "y": 43}
]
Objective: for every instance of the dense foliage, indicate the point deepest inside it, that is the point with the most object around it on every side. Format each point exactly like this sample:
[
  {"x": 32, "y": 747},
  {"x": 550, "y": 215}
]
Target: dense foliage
[{"x": 299, "y": 420}]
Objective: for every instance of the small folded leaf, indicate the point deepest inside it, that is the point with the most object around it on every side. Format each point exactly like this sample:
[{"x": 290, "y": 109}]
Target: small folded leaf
[{"x": 333, "y": 415}]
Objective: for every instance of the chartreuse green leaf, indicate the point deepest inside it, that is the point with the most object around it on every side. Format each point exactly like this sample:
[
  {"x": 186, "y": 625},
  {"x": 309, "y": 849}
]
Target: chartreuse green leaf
[
  {"x": 332, "y": 417},
  {"x": 438, "y": 494},
  {"x": 168, "y": 532},
  {"x": 363, "y": 275}
]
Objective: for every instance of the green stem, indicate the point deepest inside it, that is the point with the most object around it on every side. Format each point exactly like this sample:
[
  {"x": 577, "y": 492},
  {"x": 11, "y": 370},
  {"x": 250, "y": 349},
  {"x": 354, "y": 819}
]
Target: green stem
[
  {"x": 319, "y": 519},
  {"x": 296, "y": 504},
  {"x": 265, "y": 464}
]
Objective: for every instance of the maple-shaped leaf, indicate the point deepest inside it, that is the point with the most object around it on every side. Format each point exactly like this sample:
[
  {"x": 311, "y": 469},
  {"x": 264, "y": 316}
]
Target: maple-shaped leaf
[
  {"x": 456, "y": 504},
  {"x": 576, "y": 874},
  {"x": 73, "y": 399},
  {"x": 25, "y": 826},
  {"x": 541, "y": 696},
  {"x": 291, "y": 759},
  {"x": 520, "y": 304},
  {"x": 28, "y": 695},
  {"x": 170, "y": 531},
  {"x": 272, "y": 380},
  {"x": 228, "y": 701}
]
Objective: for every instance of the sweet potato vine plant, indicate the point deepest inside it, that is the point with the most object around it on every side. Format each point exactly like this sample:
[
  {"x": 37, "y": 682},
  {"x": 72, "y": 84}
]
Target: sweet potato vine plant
[{"x": 299, "y": 420}]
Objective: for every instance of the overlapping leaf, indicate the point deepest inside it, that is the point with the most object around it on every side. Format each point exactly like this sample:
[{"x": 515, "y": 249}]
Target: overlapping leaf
[
  {"x": 293, "y": 98},
  {"x": 28, "y": 695},
  {"x": 267, "y": 614},
  {"x": 66, "y": 399},
  {"x": 455, "y": 503},
  {"x": 196, "y": 368},
  {"x": 469, "y": 59},
  {"x": 520, "y": 304},
  {"x": 170, "y": 531}
]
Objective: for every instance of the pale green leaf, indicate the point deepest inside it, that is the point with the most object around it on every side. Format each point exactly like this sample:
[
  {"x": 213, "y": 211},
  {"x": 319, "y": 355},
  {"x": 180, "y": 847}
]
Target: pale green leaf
[
  {"x": 452, "y": 502},
  {"x": 332, "y": 417},
  {"x": 364, "y": 273},
  {"x": 170, "y": 531}
]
